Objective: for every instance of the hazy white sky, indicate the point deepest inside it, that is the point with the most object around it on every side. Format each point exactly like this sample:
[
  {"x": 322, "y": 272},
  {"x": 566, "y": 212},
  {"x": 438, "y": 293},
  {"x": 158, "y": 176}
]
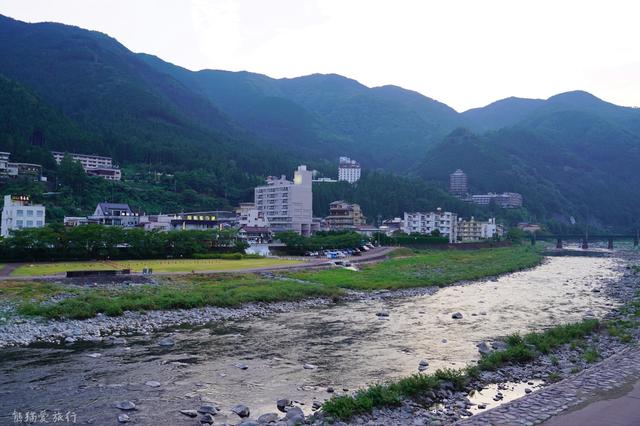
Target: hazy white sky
[{"x": 466, "y": 53}]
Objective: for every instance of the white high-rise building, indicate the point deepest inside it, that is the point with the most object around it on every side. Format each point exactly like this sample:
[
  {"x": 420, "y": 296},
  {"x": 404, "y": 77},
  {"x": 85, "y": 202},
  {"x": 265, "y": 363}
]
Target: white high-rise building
[
  {"x": 18, "y": 213},
  {"x": 427, "y": 222},
  {"x": 288, "y": 206},
  {"x": 93, "y": 165},
  {"x": 349, "y": 170}
]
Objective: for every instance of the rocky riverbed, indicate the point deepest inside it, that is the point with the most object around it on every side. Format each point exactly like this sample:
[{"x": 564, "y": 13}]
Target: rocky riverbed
[
  {"x": 301, "y": 352},
  {"x": 511, "y": 382}
]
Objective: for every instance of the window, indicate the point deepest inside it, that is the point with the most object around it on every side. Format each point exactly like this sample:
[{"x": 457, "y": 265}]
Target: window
[
  {"x": 39, "y": 213},
  {"x": 19, "y": 223},
  {"x": 29, "y": 224},
  {"x": 39, "y": 223},
  {"x": 29, "y": 212},
  {"x": 20, "y": 212}
]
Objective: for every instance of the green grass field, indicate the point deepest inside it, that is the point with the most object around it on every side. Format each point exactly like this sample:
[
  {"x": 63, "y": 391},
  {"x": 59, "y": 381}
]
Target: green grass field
[
  {"x": 179, "y": 265},
  {"x": 425, "y": 268}
]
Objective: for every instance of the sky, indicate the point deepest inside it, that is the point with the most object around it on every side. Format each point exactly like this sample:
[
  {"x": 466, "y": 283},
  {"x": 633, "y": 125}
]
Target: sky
[{"x": 465, "y": 53}]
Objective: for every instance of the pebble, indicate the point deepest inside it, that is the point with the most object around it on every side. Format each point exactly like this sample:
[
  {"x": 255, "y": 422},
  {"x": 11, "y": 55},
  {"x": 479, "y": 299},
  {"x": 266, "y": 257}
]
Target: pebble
[
  {"x": 206, "y": 419},
  {"x": 126, "y": 405},
  {"x": 309, "y": 367},
  {"x": 94, "y": 355},
  {"x": 268, "y": 418},
  {"x": 189, "y": 413},
  {"x": 123, "y": 418},
  {"x": 166, "y": 342},
  {"x": 241, "y": 366},
  {"x": 456, "y": 315},
  {"x": 282, "y": 404},
  {"x": 382, "y": 314},
  {"x": 208, "y": 409},
  {"x": 153, "y": 384}
]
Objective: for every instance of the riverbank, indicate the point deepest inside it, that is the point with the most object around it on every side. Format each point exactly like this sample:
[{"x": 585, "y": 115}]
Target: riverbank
[
  {"x": 54, "y": 312},
  {"x": 520, "y": 364}
]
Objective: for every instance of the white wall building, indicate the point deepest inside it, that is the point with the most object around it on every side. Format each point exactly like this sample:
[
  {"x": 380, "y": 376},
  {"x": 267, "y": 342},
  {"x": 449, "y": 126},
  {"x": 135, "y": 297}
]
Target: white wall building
[
  {"x": 288, "y": 206},
  {"x": 427, "y": 222},
  {"x": 94, "y": 165},
  {"x": 349, "y": 170},
  {"x": 249, "y": 215},
  {"x": 18, "y": 213}
]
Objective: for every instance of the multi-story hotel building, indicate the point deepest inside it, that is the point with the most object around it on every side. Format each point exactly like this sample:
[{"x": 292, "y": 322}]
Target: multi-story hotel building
[
  {"x": 427, "y": 222},
  {"x": 349, "y": 170},
  {"x": 93, "y": 165},
  {"x": 18, "y": 213},
  {"x": 458, "y": 183},
  {"x": 287, "y": 205},
  {"x": 474, "y": 230},
  {"x": 506, "y": 200},
  {"x": 343, "y": 215}
]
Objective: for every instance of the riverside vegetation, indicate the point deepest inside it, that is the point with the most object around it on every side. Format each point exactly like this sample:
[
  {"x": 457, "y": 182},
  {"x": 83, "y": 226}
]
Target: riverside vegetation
[{"x": 412, "y": 269}]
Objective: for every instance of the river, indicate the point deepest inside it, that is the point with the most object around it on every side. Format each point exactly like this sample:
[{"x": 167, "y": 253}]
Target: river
[{"x": 348, "y": 343}]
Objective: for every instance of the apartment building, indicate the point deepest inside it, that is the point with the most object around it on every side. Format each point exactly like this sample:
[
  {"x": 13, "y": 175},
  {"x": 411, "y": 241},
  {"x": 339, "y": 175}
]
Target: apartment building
[
  {"x": 458, "y": 183},
  {"x": 93, "y": 165},
  {"x": 427, "y": 222},
  {"x": 249, "y": 215},
  {"x": 287, "y": 205},
  {"x": 18, "y": 212},
  {"x": 343, "y": 215},
  {"x": 475, "y": 230},
  {"x": 349, "y": 170}
]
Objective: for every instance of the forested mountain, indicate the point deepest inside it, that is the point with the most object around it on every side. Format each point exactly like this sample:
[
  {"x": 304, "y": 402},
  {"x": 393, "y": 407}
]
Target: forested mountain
[{"x": 214, "y": 134}]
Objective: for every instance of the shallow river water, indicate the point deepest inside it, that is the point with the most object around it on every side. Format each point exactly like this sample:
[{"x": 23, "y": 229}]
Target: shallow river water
[{"x": 347, "y": 342}]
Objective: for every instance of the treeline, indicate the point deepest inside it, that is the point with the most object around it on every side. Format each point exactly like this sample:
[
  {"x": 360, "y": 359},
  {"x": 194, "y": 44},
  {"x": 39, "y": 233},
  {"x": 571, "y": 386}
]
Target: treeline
[
  {"x": 297, "y": 244},
  {"x": 55, "y": 242},
  {"x": 409, "y": 239}
]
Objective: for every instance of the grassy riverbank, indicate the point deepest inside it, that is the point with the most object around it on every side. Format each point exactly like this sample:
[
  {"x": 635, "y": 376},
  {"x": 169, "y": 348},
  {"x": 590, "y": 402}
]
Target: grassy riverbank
[
  {"x": 426, "y": 268},
  {"x": 519, "y": 349}
]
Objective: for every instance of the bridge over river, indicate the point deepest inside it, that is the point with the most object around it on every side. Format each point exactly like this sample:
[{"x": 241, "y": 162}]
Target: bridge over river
[{"x": 586, "y": 239}]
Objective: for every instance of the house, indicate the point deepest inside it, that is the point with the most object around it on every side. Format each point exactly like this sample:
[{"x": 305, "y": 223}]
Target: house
[
  {"x": 255, "y": 234},
  {"x": 114, "y": 214}
]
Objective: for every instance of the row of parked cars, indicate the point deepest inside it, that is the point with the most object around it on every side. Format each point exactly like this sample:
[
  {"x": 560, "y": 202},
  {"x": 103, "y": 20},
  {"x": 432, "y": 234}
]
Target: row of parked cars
[{"x": 340, "y": 254}]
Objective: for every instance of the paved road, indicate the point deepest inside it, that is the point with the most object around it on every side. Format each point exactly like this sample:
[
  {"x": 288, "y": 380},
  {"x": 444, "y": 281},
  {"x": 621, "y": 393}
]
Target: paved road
[
  {"x": 605, "y": 394},
  {"x": 376, "y": 254}
]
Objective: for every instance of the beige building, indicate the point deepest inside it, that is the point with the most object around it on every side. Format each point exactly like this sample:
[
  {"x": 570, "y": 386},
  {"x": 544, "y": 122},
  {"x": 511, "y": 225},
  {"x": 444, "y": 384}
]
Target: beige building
[
  {"x": 343, "y": 215},
  {"x": 287, "y": 205},
  {"x": 427, "y": 222},
  {"x": 475, "y": 230}
]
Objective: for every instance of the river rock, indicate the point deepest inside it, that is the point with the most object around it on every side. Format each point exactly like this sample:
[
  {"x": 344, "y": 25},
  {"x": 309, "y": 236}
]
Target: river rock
[
  {"x": 268, "y": 418},
  {"x": 189, "y": 413},
  {"x": 94, "y": 355},
  {"x": 123, "y": 418},
  {"x": 241, "y": 410},
  {"x": 483, "y": 348},
  {"x": 499, "y": 346},
  {"x": 482, "y": 406},
  {"x": 206, "y": 419},
  {"x": 153, "y": 384},
  {"x": 166, "y": 342},
  {"x": 294, "y": 414},
  {"x": 241, "y": 366},
  {"x": 330, "y": 389},
  {"x": 126, "y": 405},
  {"x": 382, "y": 314},
  {"x": 309, "y": 367},
  {"x": 423, "y": 363},
  {"x": 456, "y": 315},
  {"x": 282, "y": 404},
  {"x": 527, "y": 390},
  {"x": 316, "y": 405},
  {"x": 69, "y": 340},
  {"x": 208, "y": 409},
  {"x": 250, "y": 423}
]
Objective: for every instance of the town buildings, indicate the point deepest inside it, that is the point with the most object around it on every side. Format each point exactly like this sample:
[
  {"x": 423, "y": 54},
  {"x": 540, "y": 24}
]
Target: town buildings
[
  {"x": 458, "y": 183},
  {"x": 343, "y": 215},
  {"x": 475, "y": 230},
  {"x": 12, "y": 169},
  {"x": 249, "y": 215},
  {"x": 427, "y": 222},
  {"x": 287, "y": 205},
  {"x": 18, "y": 212},
  {"x": 506, "y": 200},
  {"x": 93, "y": 165},
  {"x": 348, "y": 170}
]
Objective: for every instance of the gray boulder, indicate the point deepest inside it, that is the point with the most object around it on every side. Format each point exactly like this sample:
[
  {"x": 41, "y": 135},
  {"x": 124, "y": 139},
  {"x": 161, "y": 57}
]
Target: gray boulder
[
  {"x": 268, "y": 418},
  {"x": 126, "y": 405},
  {"x": 241, "y": 410},
  {"x": 456, "y": 315}
]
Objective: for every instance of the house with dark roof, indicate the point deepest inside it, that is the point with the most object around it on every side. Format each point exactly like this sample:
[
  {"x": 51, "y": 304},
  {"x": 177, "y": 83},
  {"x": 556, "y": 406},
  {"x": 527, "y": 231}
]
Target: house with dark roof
[{"x": 114, "y": 214}]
